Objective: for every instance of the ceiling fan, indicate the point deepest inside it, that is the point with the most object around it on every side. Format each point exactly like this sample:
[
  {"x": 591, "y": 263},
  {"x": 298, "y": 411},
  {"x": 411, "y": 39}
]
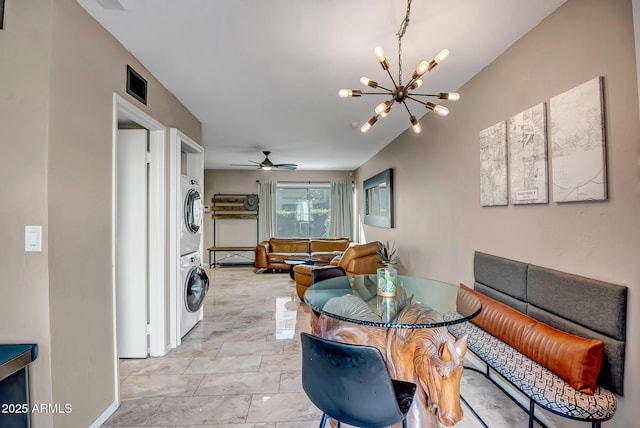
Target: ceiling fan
[{"x": 266, "y": 164}]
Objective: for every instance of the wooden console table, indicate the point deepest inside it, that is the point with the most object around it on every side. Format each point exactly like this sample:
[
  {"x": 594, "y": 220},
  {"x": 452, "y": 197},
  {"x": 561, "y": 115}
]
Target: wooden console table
[{"x": 237, "y": 251}]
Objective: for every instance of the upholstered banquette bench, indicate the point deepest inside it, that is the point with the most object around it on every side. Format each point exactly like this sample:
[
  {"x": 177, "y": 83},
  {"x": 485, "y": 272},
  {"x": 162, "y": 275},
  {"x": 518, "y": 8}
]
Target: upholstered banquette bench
[{"x": 558, "y": 338}]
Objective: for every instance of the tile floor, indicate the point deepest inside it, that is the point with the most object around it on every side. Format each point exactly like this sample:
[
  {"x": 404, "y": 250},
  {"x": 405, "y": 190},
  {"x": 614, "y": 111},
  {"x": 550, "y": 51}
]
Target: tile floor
[{"x": 240, "y": 367}]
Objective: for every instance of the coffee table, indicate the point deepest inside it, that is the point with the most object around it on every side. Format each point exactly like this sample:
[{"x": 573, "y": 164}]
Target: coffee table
[{"x": 294, "y": 262}]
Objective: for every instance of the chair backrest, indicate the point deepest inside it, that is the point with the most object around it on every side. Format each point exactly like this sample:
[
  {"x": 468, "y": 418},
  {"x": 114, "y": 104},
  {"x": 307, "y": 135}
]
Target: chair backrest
[
  {"x": 361, "y": 259},
  {"x": 349, "y": 383},
  {"x": 325, "y": 273}
]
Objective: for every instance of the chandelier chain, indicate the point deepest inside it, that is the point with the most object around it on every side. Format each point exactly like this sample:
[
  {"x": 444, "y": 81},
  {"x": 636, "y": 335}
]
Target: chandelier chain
[{"x": 400, "y": 34}]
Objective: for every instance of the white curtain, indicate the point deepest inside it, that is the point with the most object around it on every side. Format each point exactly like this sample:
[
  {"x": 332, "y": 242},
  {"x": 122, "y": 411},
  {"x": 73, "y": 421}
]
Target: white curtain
[
  {"x": 267, "y": 211},
  {"x": 341, "y": 209}
]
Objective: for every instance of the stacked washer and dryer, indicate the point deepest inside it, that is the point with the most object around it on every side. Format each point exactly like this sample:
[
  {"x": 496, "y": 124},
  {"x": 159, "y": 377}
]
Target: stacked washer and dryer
[{"x": 194, "y": 282}]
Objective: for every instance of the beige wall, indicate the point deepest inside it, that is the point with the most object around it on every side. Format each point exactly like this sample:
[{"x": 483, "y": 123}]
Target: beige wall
[
  {"x": 60, "y": 70},
  {"x": 243, "y": 232},
  {"x": 439, "y": 219},
  {"x": 25, "y": 48}
]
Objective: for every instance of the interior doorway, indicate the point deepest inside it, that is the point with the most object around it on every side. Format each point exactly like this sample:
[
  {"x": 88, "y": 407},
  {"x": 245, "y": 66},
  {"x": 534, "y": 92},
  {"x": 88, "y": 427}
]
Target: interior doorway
[{"x": 126, "y": 114}]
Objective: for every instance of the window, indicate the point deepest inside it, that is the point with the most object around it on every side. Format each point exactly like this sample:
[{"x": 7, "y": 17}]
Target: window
[{"x": 303, "y": 210}]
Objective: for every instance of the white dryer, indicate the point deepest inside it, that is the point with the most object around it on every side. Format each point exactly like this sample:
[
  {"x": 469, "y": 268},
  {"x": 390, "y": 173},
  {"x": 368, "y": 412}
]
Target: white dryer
[
  {"x": 192, "y": 214},
  {"x": 194, "y": 286}
]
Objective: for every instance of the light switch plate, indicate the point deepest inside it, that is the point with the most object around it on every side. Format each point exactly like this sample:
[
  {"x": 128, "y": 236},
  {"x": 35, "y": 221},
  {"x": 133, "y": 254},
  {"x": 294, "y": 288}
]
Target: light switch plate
[{"x": 33, "y": 238}]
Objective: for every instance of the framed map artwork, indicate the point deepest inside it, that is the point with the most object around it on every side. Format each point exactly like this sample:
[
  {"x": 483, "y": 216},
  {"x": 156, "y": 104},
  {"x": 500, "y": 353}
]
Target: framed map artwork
[
  {"x": 493, "y": 166},
  {"x": 578, "y": 144},
  {"x": 527, "y": 139}
]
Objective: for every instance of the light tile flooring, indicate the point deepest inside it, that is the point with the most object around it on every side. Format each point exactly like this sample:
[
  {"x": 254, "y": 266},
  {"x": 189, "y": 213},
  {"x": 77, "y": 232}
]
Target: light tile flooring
[{"x": 240, "y": 367}]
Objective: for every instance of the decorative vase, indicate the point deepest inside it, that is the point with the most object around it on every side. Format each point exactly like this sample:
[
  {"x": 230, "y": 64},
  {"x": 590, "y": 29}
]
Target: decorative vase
[{"x": 387, "y": 279}]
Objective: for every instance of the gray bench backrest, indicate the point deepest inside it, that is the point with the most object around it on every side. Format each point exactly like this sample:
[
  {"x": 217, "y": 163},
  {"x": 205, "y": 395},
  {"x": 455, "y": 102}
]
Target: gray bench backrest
[{"x": 575, "y": 304}]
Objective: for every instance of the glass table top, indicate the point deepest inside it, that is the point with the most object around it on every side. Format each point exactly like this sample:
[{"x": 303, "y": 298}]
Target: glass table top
[{"x": 355, "y": 299}]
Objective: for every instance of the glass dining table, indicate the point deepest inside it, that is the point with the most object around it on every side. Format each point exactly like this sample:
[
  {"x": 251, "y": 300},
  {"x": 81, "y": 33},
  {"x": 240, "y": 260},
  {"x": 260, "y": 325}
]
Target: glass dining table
[
  {"x": 447, "y": 299},
  {"x": 410, "y": 330}
]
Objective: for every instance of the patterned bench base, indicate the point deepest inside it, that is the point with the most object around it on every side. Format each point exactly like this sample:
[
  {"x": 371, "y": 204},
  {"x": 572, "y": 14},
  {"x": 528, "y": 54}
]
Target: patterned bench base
[{"x": 539, "y": 384}]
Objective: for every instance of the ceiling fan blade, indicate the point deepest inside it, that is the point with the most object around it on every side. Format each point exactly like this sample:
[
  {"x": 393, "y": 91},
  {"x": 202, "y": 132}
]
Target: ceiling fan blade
[
  {"x": 237, "y": 164},
  {"x": 289, "y": 166}
]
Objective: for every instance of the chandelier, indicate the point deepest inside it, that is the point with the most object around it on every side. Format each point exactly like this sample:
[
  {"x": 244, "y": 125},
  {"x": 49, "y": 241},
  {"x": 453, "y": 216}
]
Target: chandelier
[{"x": 401, "y": 93}]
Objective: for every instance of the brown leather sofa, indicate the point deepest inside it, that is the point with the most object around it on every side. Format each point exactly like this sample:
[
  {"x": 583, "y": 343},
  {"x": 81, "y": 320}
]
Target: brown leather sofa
[
  {"x": 271, "y": 254},
  {"x": 356, "y": 260}
]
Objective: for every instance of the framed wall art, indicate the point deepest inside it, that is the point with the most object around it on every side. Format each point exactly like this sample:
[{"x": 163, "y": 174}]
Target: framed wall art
[
  {"x": 493, "y": 166},
  {"x": 527, "y": 137},
  {"x": 578, "y": 144},
  {"x": 378, "y": 199}
]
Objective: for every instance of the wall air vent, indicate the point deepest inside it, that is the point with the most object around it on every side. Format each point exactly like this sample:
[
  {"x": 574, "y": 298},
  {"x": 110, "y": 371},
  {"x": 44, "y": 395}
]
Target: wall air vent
[{"x": 136, "y": 85}]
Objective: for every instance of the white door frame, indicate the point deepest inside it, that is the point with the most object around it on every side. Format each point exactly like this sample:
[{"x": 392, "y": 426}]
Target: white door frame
[
  {"x": 123, "y": 109},
  {"x": 178, "y": 143}
]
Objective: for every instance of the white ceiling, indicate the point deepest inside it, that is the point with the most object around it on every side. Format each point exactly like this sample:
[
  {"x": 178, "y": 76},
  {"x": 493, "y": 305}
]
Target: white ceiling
[{"x": 264, "y": 74}]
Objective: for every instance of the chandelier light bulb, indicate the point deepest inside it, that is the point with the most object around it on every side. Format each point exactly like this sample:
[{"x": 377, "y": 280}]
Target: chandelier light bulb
[
  {"x": 383, "y": 109},
  {"x": 416, "y": 85},
  {"x": 380, "y": 54},
  {"x": 367, "y": 126},
  {"x": 348, "y": 93},
  {"x": 444, "y": 53},
  {"x": 415, "y": 125},
  {"x": 368, "y": 82},
  {"x": 438, "y": 109},
  {"x": 452, "y": 96},
  {"x": 422, "y": 68}
]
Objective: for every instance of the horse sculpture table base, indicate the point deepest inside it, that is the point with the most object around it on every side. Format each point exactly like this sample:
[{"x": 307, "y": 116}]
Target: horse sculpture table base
[{"x": 428, "y": 357}]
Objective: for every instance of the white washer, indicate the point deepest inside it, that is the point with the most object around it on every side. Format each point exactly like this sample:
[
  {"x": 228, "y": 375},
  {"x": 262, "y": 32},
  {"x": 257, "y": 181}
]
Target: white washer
[
  {"x": 192, "y": 213},
  {"x": 194, "y": 286}
]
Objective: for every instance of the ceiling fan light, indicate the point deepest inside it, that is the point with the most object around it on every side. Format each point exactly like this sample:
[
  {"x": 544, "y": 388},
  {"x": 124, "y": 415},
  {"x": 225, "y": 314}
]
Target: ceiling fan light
[
  {"x": 266, "y": 168},
  {"x": 438, "y": 109},
  {"x": 451, "y": 96},
  {"x": 368, "y": 82},
  {"x": 348, "y": 93}
]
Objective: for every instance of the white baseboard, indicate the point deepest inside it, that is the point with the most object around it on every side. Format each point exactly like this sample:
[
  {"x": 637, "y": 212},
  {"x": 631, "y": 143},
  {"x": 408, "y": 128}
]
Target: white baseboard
[{"x": 105, "y": 415}]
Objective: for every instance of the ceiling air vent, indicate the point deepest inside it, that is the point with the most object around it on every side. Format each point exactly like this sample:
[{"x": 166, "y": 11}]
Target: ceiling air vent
[{"x": 136, "y": 85}]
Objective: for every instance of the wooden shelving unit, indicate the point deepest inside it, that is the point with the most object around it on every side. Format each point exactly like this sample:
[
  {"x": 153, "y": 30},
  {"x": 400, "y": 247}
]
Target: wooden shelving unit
[{"x": 231, "y": 206}]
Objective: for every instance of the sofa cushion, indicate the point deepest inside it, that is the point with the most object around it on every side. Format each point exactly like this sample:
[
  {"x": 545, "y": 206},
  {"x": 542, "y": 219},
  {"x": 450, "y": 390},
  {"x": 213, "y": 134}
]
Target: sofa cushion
[
  {"x": 324, "y": 257},
  {"x": 575, "y": 359},
  {"x": 281, "y": 257},
  {"x": 328, "y": 245},
  {"x": 283, "y": 245}
]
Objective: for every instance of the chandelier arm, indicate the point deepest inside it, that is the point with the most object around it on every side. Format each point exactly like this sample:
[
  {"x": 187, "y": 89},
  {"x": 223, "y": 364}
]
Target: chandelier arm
[
  {"x": 395, "y": 85},
  {"x": 417, "y": 100},
  {"x": 376, "y": 93},
  {"x": 386, "y": 89},
  {"x": 407, "y": 107},
  {"x": 425, "y": 95}
]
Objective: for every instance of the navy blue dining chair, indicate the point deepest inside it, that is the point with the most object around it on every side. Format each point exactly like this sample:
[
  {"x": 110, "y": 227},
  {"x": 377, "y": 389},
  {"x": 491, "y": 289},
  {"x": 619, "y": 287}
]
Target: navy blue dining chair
[{"x": 351, "y": 384}]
